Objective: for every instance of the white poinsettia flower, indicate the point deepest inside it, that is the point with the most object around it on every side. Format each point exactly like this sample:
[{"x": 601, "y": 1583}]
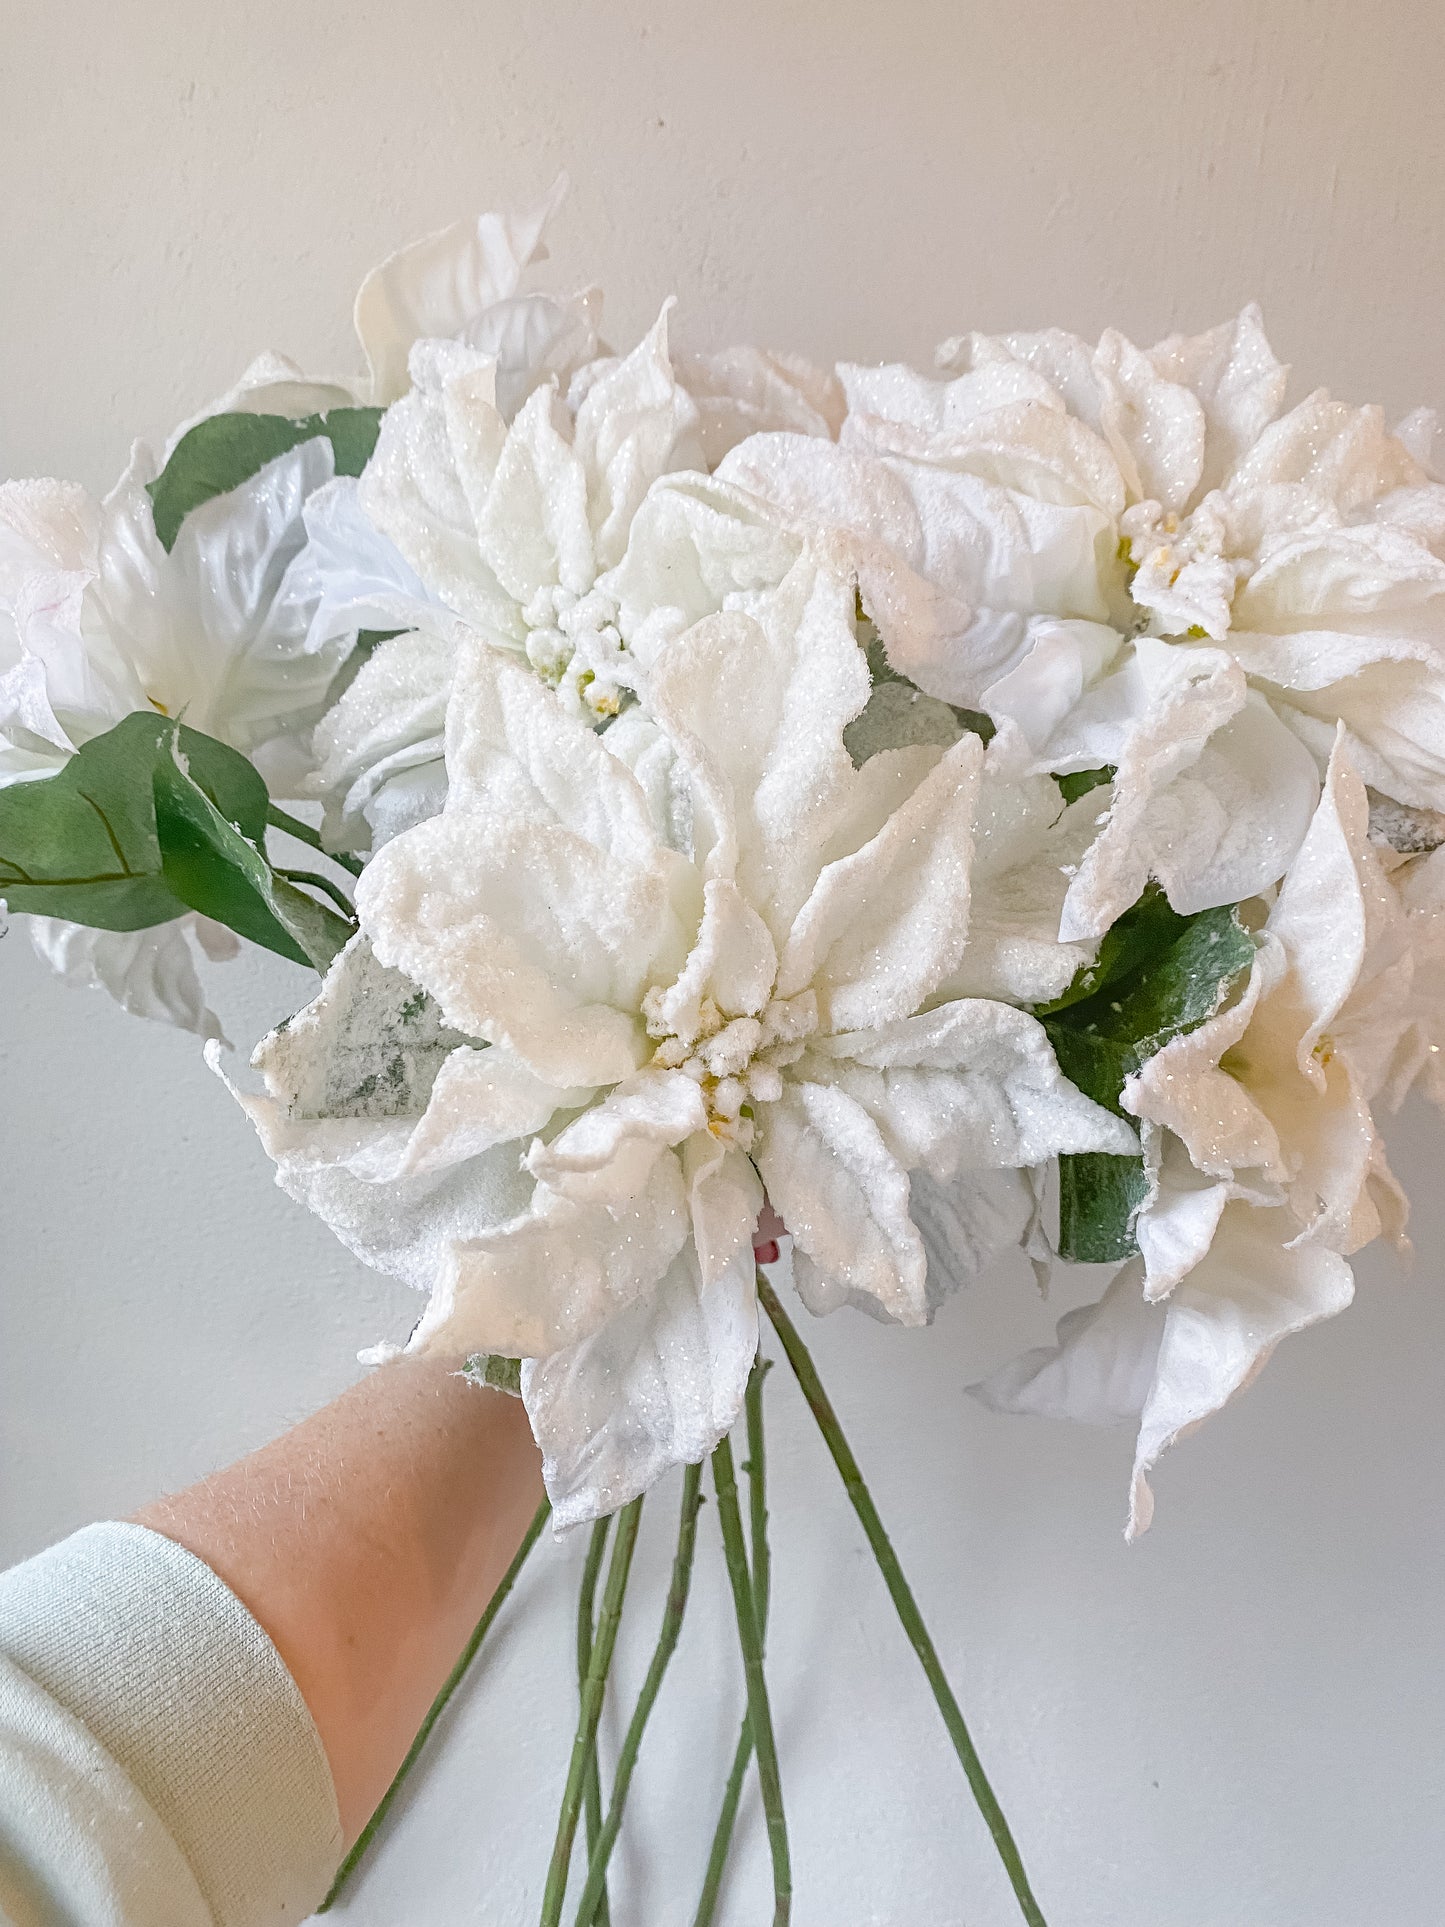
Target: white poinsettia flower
[
  {"x": 1308, "y": 544},
  {"x": 1297, "y": 555},
  {"x": 711, "y": 957},
  {"x": 984, "y": 523},
  {"x": 98, "y": 621},
  {"x": 1266, "y": 1168},
  {"x": 213, "y": 632},
  {"x": 507, "y": 526}
]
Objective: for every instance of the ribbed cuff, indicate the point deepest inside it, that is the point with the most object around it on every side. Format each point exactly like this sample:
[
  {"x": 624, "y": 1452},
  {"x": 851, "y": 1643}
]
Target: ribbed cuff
[{"x": 158, "y": 1659}]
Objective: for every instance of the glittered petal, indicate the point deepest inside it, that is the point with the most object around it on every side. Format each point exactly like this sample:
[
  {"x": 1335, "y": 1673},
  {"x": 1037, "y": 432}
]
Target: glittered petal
[
  {"x": 532, "y": 521},
  {"x": 635, "y": 424},
  {"x": 1184, "y": 1089},
  {"x": 1342, "y": 454},
  {"x": 1025, "y": 850},
  {"x": 526, "y": 935},
  {"x": 657, "y": 1386},
  {"x": 744, "y": 391},
  {"x": 1155, "y": 426},
  {"x": 414, "y": 490},
  {"x": 556, "y": 1273},
  {"x": 390, "y": 720},
  {"x": 1231, "y": 824},
  {"x": 972, "y": 1085},
  {"x": 725, "y": 1196},
  {"x": 885, "y": 926},
  {"x": 697, "y": 545},
  {"x": 404, "y": 1226},
  {"x": 1223, "y": 1322},
  {"x": 1240, "y": 385},
  {"x": 844, "y": 1197},
  {"x": 513, "y": 752},
  {"x": 756, "y": 706},
  {"x": 733, "y": 963},
  {"x": 607, "y": 1154},
  {"x": 1169, "y": 701}
]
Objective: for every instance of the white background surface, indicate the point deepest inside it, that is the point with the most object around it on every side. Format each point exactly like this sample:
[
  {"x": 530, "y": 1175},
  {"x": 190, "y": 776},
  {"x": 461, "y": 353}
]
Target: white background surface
[{"x": 1239, "y": 1723}]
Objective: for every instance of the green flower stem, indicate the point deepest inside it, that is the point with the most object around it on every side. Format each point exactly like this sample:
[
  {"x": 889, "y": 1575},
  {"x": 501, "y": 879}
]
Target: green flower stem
[
  {"x": 595, "y": 1891},
  {"x": 759, "y": 1712},
  {"x": 453, "y": 1680},
  {"x": 756, "y": 1469},
  {"x": 723, "y": 1833},
  {"x": 593, "y": 1687},
  {"x": 586, "y": 1615},
  {"x": 903, "y": 1600},
  {"x": 757, "y": 1506},
  {"x": 280, "y": 819}
]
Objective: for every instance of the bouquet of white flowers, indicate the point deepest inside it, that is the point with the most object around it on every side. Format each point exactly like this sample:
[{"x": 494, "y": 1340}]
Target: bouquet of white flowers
[{"x": 769, "y": 830}]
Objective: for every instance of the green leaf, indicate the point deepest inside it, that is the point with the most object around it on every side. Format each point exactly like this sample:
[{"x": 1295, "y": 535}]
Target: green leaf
[
  {"x": 146, "y": 822},
  {"x": 223, "y": 451},
  {"x": 214, "y": 868},
  {"x": 82, "y": 844},
  {"x": 1080, "y": 781},
  {"x": 1157, "y": 975},
  {"x": 1099, "y": 1199}
]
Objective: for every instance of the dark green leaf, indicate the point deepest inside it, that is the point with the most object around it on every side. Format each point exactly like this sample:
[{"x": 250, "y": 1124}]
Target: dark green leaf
[
  {"x": 1157, "y": 975},
  {"x": 1080, "y": 781},
  {"x": 1099, "y": 1199},
  {"x": 146, "y": 822},
  {"x": 223, "y": 451},
  {"x": 82, "y": 844},
  {"x": 213, "y": 868},
  {"x": 1144, "y": 933}
]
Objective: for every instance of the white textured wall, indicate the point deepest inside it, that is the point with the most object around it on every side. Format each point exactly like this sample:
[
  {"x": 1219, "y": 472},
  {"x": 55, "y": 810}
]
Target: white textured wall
[{"x": 1241, "y": 1722}]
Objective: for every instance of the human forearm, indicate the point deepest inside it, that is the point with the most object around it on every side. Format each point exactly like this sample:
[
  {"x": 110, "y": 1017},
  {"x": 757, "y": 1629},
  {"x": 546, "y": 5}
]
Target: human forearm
[{"x": 365, "y": 1541}]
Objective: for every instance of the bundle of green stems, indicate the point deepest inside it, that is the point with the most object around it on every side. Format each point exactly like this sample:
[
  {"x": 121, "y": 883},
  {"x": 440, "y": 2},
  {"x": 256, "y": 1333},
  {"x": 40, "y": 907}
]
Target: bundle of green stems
[{"x": 599, "y": 1812}]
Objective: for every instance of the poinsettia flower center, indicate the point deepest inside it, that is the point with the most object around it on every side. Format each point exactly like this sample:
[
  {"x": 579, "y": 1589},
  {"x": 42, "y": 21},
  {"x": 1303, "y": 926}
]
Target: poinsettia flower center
[
  {"x": 737, "y": 1062},
  {"x": 574, "y": 640}
]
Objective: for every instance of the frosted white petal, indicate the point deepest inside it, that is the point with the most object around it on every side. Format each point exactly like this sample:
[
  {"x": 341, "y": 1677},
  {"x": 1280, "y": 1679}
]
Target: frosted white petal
[
  {"x": 1165, "y": 702},
  {"x": 844, "y": 1197},
  {"x": 884, "y": 927},
  {"x": 557, "y": 1272},
  {"x": 635, "y": 424},
  {"x": 526, "y": 935},
  {"x": 658, "y": 1386},
  {"x": 389, "y": 722},
  {"x": 744, "y": 391},
  {"x": 1232, "y": 823},
  {"x": 971, "y": 1085},
  {"x": 607, "y": 1153}
]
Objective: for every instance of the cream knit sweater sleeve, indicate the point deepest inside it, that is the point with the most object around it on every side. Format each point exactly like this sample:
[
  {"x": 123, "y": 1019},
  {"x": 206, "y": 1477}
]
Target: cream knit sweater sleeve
[{"x": 158, "y": 1767}]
